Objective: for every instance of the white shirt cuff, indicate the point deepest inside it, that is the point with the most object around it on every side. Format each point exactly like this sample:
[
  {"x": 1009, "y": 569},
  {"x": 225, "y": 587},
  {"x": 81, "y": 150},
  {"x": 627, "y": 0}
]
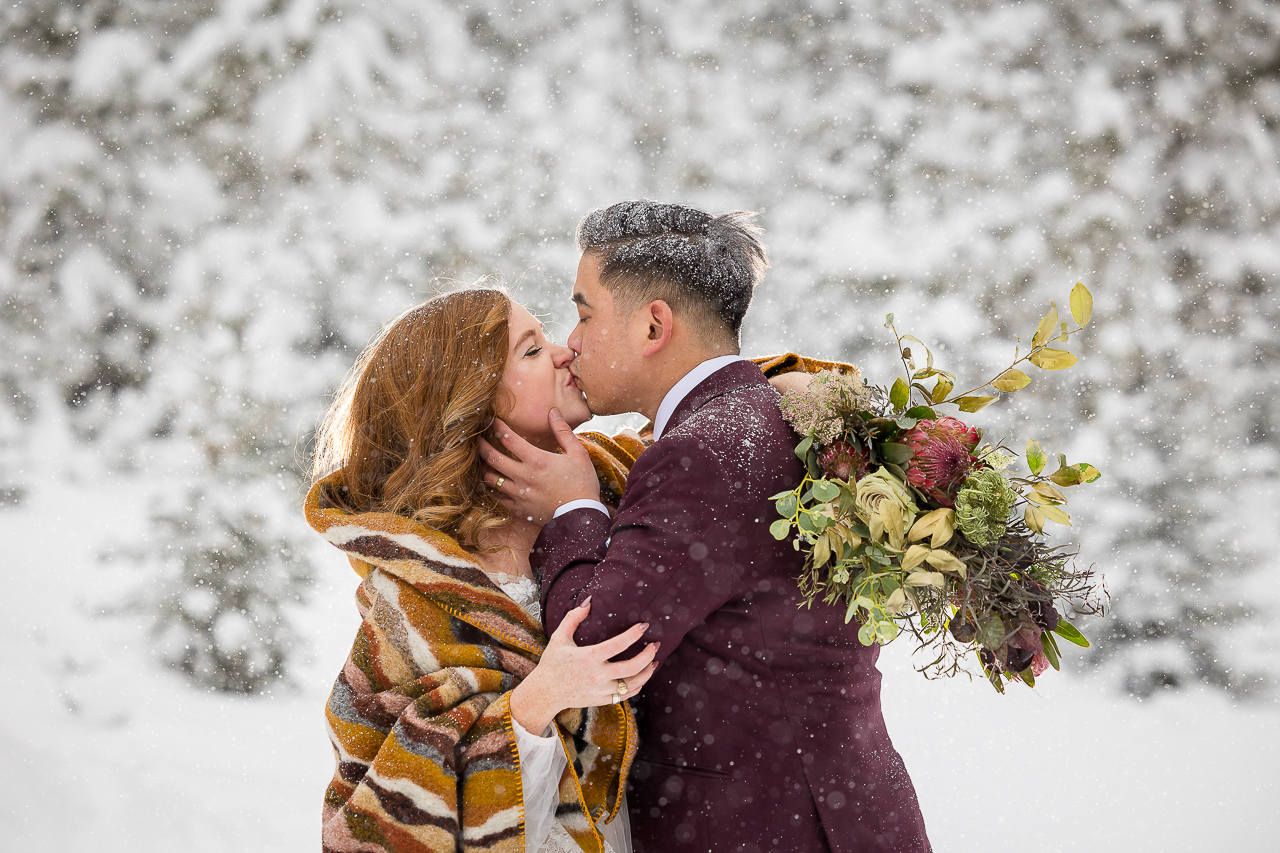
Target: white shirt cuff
[
  {"x": 580, "y": 504},
  {"x": 542, "y": 762}
]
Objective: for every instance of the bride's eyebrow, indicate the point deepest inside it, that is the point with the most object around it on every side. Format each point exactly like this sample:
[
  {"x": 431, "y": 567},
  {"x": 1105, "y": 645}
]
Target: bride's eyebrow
[{"x": 528, "y": 333}]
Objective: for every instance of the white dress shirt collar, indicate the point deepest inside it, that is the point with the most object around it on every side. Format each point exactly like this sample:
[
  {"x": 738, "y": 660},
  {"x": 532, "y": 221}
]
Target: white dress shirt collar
[{"x": 687, "y": 383}]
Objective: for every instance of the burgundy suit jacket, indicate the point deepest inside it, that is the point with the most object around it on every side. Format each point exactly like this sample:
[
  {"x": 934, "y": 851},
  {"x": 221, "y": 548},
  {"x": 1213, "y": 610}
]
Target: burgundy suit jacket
[{"x": 761, "y": 729}]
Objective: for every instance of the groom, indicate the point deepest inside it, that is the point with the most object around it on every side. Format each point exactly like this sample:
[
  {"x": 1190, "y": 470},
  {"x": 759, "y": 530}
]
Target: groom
[{"x": 761, "y": 729}]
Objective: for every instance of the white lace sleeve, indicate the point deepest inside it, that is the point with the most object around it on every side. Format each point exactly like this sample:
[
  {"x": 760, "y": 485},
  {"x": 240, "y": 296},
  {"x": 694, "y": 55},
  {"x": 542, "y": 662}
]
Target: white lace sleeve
[{"x": 542, "y": 761}]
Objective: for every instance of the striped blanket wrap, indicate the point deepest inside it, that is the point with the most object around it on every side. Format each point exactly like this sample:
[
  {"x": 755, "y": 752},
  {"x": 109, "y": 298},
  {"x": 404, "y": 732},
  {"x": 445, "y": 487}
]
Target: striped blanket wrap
[{"x": 420, "y": 718}]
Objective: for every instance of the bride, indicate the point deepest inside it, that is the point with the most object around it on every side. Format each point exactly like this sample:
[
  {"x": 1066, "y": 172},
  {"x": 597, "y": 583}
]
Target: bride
[{"x": 455, "y": 722}]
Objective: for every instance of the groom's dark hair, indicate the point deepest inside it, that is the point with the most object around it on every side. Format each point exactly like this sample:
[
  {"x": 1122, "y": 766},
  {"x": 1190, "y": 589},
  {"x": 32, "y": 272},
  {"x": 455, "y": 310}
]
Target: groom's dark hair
[{"x": 704, "y": 267}]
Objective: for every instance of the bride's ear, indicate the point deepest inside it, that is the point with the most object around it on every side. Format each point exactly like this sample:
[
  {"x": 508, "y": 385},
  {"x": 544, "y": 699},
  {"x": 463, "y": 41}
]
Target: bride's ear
[{"x": 659, "y": 321}]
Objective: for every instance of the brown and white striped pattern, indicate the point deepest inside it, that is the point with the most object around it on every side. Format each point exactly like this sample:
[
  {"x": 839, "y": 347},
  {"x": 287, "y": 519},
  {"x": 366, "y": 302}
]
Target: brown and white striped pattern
[{"x": 419, "y": 717}]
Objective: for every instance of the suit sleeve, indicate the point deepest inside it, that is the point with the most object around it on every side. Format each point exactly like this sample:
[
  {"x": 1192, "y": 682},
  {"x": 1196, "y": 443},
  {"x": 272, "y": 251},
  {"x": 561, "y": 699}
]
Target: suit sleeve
[{"x": 666, "y": 558}]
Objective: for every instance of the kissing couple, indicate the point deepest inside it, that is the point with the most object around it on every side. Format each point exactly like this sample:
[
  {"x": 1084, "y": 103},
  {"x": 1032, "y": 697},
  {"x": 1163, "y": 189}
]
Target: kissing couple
[{"x": 582, "y": 641}]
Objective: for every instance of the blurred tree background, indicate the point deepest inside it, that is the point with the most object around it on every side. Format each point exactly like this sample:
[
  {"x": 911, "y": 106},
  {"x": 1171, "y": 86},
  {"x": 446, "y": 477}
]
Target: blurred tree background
[{"x": 208, "y": 207}]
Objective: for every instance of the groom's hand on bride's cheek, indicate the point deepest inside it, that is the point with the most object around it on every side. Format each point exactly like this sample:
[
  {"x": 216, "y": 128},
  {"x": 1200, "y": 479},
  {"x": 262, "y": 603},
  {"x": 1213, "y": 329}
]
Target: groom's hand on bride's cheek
[{"x": 532, "y": 483}]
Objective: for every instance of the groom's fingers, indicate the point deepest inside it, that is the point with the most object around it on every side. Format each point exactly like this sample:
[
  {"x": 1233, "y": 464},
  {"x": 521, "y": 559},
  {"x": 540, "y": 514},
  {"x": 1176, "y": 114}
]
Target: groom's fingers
[
  {"x": 516, "y": 446},
  {"x": 498, "y": 461},
  {"x": 563, "y": 433}
]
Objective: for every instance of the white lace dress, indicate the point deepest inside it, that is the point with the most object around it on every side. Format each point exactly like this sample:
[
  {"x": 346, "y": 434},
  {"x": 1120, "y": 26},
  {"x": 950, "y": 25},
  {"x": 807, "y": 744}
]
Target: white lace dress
[{"x": 542, "y": 761}]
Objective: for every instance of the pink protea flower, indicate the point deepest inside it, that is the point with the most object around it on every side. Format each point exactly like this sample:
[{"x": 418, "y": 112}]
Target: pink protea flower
[
  {"x": 943, "y": 457},
  {"x": 1039, "y": 663},
  {"x": 843, "y": 461}
]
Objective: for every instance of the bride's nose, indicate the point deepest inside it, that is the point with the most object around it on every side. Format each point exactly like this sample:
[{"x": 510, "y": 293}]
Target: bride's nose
[{"x": 562, "y": 356}]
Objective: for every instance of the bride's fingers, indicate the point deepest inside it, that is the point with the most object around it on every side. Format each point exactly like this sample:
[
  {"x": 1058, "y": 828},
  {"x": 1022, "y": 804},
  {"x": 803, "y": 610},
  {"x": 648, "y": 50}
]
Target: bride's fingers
[
  {"x": 634, "y": 666},
  {"x": 637, "y": 681},
  {"x": 571, "y": 621},
  {"x": 612, "y": 646}
]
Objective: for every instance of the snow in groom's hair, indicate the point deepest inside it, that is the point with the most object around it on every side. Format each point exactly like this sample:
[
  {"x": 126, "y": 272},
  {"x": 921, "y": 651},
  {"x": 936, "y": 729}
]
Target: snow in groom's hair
[{"x": 702, "y": 264}]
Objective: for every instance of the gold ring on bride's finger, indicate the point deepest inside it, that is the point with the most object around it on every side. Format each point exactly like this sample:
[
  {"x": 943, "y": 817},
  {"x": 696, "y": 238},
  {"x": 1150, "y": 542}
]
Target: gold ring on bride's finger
[
  {"x": 501, "y": 480},
  {"x": 622, "y": 687}
]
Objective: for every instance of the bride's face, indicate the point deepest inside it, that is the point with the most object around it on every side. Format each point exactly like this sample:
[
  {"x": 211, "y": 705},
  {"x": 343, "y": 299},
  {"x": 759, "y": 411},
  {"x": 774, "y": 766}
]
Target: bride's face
[{"x": 537, "y": 378}]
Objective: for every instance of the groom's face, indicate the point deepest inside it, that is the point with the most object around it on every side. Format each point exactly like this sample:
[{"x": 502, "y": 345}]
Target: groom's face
[{"x": 609, "y": 358}]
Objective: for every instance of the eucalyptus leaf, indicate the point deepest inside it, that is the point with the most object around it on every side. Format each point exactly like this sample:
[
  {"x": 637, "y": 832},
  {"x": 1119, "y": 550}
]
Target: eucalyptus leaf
[
  {"x": 802, "y": 449},
  {"x": 1050, "y": 651},
  {"x": 991, "y": 632},
  {"x": 927, "y": 352},
  {"x": 1068, "y": 632},
  {"x": 1068, "y": 475},
  {"x": 899, "y": 394},
  {"x": 826, "y": 491},
  {"x": 1081, "y": 304},
  {"x": 787, "y": 505},
  {"x": 905, "y": 422},
  {"x": 895, "y": 454},
  {"x": 896, "y": 470},
  {"x": 780, "y": 528},
  {"x": 921, "y": 412},
  {"x": 1054, "y": 513},
  {"x": 1048, "y": 325},
  {"x": 974, "y": 403},
  {"x": 811, "y": 463},
  {"x": 1053, "y": 359},
  {"x": 821, "y": 552},
  {"x": 1036, "y": 457},
  {"x": 1012, "y": 380}
]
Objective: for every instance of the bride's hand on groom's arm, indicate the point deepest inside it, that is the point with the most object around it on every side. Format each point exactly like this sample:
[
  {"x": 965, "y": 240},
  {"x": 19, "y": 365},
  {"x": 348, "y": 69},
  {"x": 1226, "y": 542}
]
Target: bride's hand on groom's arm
[
  {"x": 573, "y": 676},
  {"x": 533, "y": 483}
]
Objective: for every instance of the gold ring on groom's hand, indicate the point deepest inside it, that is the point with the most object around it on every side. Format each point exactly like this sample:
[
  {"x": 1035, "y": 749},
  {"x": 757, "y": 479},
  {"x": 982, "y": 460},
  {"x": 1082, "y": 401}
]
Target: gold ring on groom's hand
[
  {"x": 622, "y": 688},
  {"x": 501, "y": 480}
]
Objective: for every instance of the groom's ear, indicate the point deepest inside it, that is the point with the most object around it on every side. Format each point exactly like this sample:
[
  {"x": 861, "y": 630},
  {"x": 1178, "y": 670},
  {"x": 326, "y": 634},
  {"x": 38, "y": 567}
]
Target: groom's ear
[{"x": 660, "y": 322}]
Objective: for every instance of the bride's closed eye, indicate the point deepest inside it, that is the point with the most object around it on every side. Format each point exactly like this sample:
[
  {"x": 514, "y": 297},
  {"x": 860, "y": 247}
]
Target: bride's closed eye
[{"x": 532, "y": 352}]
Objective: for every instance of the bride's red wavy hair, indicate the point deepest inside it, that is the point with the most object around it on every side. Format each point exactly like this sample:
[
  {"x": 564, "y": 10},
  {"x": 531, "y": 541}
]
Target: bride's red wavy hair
[{"x": 405, "y": 423}]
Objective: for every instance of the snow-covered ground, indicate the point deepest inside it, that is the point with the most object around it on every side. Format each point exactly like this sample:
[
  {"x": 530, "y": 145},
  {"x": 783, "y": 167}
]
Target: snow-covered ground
[{"x": 101, "y": 749}]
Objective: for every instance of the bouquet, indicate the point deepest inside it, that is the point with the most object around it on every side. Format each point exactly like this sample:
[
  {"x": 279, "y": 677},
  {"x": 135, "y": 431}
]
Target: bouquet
[{"x": 908, "y": 520}]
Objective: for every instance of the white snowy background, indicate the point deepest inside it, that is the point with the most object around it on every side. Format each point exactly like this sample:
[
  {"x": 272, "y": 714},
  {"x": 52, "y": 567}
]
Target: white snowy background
[{"x": 208, "y": 207}]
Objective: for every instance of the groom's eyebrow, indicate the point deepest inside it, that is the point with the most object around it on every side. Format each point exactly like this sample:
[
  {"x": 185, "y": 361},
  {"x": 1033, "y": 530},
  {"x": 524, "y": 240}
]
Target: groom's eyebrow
[{"x": 580, "y": 299}]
